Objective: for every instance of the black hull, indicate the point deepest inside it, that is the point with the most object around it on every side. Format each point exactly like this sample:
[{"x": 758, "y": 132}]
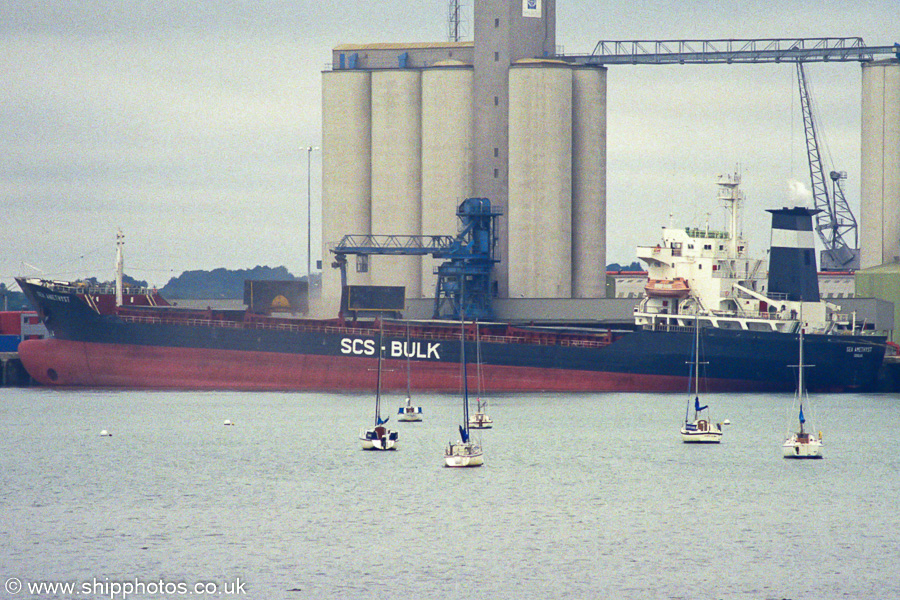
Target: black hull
[{"x": 174, "y": 348}]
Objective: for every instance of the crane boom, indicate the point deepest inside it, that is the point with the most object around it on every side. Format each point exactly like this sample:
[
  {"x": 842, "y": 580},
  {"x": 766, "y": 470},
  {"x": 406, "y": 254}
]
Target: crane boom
[{"x": 835, "y": 218}]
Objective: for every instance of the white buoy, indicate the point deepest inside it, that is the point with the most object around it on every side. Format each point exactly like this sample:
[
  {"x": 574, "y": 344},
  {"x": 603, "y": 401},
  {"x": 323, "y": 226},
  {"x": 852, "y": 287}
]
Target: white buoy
[
  {"x": 105, "y": 433},
  {"x": 228, "y": 422},
  {"x": 726, "y": 422}
]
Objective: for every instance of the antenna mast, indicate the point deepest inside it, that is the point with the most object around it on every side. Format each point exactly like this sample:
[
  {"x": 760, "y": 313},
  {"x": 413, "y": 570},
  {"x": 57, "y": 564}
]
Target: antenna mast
[{"x": 454, "y": 21}]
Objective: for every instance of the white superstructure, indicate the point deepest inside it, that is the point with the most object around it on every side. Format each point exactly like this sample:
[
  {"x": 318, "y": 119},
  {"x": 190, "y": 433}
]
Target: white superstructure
[{"x": 699, "y": 271}]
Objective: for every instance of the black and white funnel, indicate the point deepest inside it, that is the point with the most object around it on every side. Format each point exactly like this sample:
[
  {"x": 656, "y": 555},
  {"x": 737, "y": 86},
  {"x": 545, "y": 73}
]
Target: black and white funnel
[{"x": 792, "y": 260}]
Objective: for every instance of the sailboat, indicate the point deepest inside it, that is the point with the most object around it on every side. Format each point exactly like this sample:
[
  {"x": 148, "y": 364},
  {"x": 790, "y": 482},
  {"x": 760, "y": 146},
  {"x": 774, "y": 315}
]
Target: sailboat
[
  {"x": 379, "y": 437},
  {"x": 465, "y": 452},
  {"x": 698, "y": 430},
  {"x": 802, "y": 444},
  {"x": 408, "y": 412},
  {"x": 480, "y": 419}
]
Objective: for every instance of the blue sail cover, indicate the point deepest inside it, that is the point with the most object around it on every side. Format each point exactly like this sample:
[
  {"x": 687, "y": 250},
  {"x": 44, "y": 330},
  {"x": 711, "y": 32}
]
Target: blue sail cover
[
  {"x": 383, "y": 421},
  {"x": 802, "y": 419},
  {"x": 463, "y": 434},
  {"x": 697, "y": 406}
]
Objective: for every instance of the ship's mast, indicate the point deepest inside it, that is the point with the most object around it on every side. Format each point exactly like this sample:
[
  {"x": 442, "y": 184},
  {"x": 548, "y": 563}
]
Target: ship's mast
[
  {"x": 730, "y": 193},
  {"x": 120, "y": 265}
]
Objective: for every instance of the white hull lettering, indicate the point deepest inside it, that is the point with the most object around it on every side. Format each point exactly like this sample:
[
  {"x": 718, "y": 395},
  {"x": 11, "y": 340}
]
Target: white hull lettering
[
  {"x": 54, "y": 297},
  {"x": 414, "y": 350},
  {"x": 357, "y": 346}
]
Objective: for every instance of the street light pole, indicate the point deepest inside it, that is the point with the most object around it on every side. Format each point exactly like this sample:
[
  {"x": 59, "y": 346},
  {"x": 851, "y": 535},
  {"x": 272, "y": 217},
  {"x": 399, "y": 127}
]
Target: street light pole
[{"x": 309, "y": 151}]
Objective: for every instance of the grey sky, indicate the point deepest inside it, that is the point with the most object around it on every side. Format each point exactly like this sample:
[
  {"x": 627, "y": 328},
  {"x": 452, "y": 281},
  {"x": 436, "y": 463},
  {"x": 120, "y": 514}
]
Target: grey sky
[{"x": 182, "y": 122}]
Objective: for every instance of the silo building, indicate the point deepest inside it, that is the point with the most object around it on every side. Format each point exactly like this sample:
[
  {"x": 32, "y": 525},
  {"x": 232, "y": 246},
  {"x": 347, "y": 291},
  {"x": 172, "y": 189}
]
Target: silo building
[
  {"x": 411, "y": 130},
  {"x": 880, "y": 163}
]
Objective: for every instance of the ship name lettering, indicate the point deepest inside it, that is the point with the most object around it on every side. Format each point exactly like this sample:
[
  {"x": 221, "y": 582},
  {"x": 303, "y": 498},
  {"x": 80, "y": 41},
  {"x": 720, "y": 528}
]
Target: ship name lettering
[
  {"x": 414, "y": 350},
  {"x": 859, "y": 349},
  {"x": 54, "y": 297},
  {"x": 357, "y": 346}
]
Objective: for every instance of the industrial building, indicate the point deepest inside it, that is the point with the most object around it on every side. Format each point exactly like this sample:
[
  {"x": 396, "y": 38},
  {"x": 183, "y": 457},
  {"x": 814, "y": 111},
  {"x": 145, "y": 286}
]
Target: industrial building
[{"x": 411, "y": 130}]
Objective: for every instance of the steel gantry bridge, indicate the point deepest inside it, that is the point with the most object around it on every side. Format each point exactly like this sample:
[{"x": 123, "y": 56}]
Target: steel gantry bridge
[{"x": 728, "y": 51}]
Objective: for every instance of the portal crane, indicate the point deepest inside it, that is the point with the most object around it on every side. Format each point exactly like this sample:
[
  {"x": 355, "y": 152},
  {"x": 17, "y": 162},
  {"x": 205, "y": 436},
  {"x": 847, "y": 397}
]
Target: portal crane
[
  {"x": 464, "y": 281},
  {"x": 835, "y": 223}
]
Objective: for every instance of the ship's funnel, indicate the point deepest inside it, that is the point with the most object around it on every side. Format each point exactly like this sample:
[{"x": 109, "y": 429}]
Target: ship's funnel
[{"x": 792, "y": 260}]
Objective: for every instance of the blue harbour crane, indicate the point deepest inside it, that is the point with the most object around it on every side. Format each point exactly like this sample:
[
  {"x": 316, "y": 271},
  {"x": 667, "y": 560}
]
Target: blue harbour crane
[{"x": 464, "y": 288}]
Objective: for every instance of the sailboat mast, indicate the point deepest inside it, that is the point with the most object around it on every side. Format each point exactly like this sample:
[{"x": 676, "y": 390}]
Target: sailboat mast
[
  {"x": 378, "y": 385},
  {"x": 800, "y": 383},
  {"x": 695, "y": 365},
  {"x": 408, "y": 352},
  {"x": 478, "y": 363},
  {"x": 696, "y": 356},
  {"x": 462, "y": 333}
]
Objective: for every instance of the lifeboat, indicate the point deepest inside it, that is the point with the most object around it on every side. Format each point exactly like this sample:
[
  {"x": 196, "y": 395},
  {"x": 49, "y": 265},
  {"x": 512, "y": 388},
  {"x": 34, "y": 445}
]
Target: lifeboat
[{"x": 668, "y": 288}]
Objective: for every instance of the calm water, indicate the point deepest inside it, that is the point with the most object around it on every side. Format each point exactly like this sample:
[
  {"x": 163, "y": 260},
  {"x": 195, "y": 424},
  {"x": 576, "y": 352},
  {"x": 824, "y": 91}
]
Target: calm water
[{"x": 582, "y": 496}]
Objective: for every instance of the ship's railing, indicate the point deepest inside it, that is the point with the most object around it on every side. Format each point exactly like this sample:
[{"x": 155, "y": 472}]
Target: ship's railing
[
  {"x": 88, "y": 288},
  {"x": 695, "y": 232},
  {"x": 538, "y": 338},
  {"x": 717, "y": 314}
]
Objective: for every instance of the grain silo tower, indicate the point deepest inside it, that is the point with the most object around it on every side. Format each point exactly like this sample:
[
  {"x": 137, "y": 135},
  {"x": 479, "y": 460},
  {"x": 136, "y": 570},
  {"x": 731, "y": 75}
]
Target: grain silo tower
[
  {"x": 347, "y": 163},
  {"x": 880, "y": 149},
  {"x": 397, "y": 171},
  {"x": 411, "y": 130},
  {"x": 540, "y": 179},
  {"x": 448, "y": 129}
]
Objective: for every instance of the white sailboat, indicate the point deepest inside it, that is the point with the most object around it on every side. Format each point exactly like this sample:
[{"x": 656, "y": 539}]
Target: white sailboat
[
  {"x": 408, "y": 412},
  {"x": 698, "y": 430},
  {"x": 465, "y": 452},
  {"x": 802, "y": 444},
  {"x": 479, "y": 419},
  {"x": 379, "y": 437}
]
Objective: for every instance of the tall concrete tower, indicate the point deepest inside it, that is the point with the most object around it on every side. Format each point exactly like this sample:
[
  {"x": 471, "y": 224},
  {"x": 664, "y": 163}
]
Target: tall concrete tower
[
  {"x": 506, "y": 31},
  {"x": 880, "y": 149},
  {"x": 409, "y": 130}
]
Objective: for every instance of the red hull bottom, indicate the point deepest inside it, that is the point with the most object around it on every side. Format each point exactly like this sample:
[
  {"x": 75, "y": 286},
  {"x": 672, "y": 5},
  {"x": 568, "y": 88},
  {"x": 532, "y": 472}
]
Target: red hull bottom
[{"x": 63, "y": 363}]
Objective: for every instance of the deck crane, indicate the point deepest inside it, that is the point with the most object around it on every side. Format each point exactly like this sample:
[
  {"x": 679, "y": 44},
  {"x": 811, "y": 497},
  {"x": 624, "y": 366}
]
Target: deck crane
[
  {"x": 835, "y": 222},
  {"x": 464, "y": 280}
]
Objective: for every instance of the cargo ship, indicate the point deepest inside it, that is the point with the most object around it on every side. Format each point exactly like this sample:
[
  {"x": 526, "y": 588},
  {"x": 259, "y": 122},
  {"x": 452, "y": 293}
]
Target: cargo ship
[{"x": 750, "y": 321}]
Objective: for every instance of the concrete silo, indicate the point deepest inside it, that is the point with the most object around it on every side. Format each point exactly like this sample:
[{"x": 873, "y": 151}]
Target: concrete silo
[
  {"x": 540, "y": 179},
  {"x": 447, "y": 155},
  {"x": 589, "y": 183},
  {"x": 397, "y": 172},
  {"x": 880, "y": 149},
  {"x": 505, "y": 31},
  {"x": 346, "y": 171}
]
